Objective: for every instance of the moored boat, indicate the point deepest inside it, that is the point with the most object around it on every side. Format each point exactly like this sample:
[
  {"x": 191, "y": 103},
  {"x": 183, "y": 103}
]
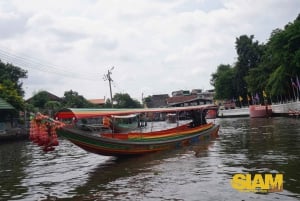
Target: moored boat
[
  {"x": 291, "y": 108},
  {"x": 257, "y": 111},
  {"x": 236, "y": 112},
  {"x": 142, "y": 141}
]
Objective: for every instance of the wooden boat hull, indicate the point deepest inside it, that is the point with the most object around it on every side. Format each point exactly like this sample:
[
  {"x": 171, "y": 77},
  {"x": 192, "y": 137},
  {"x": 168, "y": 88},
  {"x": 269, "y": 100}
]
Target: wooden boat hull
[{"x": 116, "y": 147}]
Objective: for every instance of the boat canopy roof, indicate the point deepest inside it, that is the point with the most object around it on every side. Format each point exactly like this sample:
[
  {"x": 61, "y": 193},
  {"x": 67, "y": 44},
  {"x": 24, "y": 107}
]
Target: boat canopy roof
[{"x": 79, "y": 113}]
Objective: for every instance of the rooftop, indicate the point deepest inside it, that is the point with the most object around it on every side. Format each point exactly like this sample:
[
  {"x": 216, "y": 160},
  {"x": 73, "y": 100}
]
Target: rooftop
[{"x": 5, "y": 105}]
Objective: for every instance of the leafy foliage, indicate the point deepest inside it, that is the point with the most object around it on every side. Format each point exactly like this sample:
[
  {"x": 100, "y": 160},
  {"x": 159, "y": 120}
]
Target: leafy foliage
[
  {"x": 11, "y": 85},
  {"x": 262, "y": 67},
  {"x": 125, "y": 101},
  {"x": 40, "y": 99},
  {"x": 52, "y": 107},
  {"x": 47, "y": 103},
  {"x": 74, "y": 100},
  {"x": 249, "y": 56},
  {"x": 224, "y": 82}
]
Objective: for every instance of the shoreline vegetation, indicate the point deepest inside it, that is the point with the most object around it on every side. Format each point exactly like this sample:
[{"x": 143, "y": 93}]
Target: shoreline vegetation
[{"x": 262, "y": 73}]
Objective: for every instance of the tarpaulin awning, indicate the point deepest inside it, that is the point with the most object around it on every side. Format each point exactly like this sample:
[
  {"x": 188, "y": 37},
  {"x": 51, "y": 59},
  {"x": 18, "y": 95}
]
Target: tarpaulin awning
[{"x": 79, "y": 113}]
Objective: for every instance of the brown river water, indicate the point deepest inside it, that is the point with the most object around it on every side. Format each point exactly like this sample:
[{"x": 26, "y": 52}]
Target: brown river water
[{"x": 200, "y": 172}]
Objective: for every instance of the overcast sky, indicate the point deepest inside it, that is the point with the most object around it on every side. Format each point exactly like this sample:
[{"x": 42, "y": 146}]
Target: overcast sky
[{"x": 155, "y": 46}]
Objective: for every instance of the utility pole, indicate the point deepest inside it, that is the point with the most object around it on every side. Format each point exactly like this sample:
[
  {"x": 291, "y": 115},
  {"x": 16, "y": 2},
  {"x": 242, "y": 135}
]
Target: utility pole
[{"x": 108, "y": 77}]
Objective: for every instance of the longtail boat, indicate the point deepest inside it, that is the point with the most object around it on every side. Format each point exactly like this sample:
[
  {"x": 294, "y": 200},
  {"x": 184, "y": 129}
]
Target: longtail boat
[{"x": 86, "y": 128}]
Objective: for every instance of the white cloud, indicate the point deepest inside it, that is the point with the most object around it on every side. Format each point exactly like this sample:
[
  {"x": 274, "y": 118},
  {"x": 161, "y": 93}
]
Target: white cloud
[{"x": 156, "y": 46}]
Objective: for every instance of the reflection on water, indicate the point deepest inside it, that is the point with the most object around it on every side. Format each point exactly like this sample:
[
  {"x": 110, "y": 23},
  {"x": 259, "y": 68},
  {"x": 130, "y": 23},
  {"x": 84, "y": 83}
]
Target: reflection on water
[
  {"x": 266, "y": 146},
  {"x": 13, "y": 159},
  {"x": 201, "y": 172}
]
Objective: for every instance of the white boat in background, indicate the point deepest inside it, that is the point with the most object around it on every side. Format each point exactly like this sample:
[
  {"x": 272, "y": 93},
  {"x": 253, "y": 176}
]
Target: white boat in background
[
  {"x": 291, "y": 108},
  {"x": 286, "y": 109},
  {"x": 237, "y": 112}
]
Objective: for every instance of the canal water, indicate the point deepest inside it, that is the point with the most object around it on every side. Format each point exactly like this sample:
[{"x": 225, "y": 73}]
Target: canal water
[{"x": 201, "y": 172}]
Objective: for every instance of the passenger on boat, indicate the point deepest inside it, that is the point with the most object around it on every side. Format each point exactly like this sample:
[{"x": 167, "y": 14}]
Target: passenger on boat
[
  {"x": 74, "y": 121},
  {"x": 106, "y": 122},
  {"x": 198, "y": 118}
]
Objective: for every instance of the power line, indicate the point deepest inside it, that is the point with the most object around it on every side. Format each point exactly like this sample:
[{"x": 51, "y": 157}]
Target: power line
[{"x": 28, "y": 62}]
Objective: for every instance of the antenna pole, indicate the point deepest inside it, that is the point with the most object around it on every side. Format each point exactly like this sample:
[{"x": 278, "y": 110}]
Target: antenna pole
[{"x": 108, "y": 77}]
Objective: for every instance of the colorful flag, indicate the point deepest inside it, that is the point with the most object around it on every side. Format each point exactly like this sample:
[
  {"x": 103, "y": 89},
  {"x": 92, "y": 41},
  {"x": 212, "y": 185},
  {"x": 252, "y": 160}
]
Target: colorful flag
[
  {"x": 257, "y": 97},
  {"x": 248, "y": 98},
  {"x": 264, "y": 94}
]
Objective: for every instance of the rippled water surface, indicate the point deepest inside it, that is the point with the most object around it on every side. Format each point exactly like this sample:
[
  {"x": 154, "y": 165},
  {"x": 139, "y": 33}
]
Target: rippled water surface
[{"x": 201, "y": 172}]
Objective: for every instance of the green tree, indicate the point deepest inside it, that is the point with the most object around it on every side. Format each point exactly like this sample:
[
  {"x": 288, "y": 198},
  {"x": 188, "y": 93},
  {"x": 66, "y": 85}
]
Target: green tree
[
  {"x": 9, "y": 93},
  {"x": 14, "y": 74},
  {"x": 284, "y": 51},
  {"x": 52, "y": 107},
  {"x": 30, "y": 108},
  {"x": 11, "y": 84},
  {"x": 277, "y": 81},
  {"x": 147, "y": 100},
  {"x": 125, "y": 101},
  {"x": 40, "y": 99},
  {"x": 108, "y": 103},
  {"x": 279, "y": 64},
  {"x": 224, "y": 82},
  {"x": 259, "y": 67},
  {"x": 74, "y": 100},
  {"x": 249, "y": 57}
]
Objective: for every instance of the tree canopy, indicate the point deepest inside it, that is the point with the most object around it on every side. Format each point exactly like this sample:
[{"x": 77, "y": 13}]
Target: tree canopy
[
  {"x": 46, "y": 102},
  {"x": 11, "y": 84},
  {"x": 272, "y": 67},
  {"x": 123, "y": 100},
  {"x": 224, "y": 82},
  {"x": 74, "y": 100}
]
